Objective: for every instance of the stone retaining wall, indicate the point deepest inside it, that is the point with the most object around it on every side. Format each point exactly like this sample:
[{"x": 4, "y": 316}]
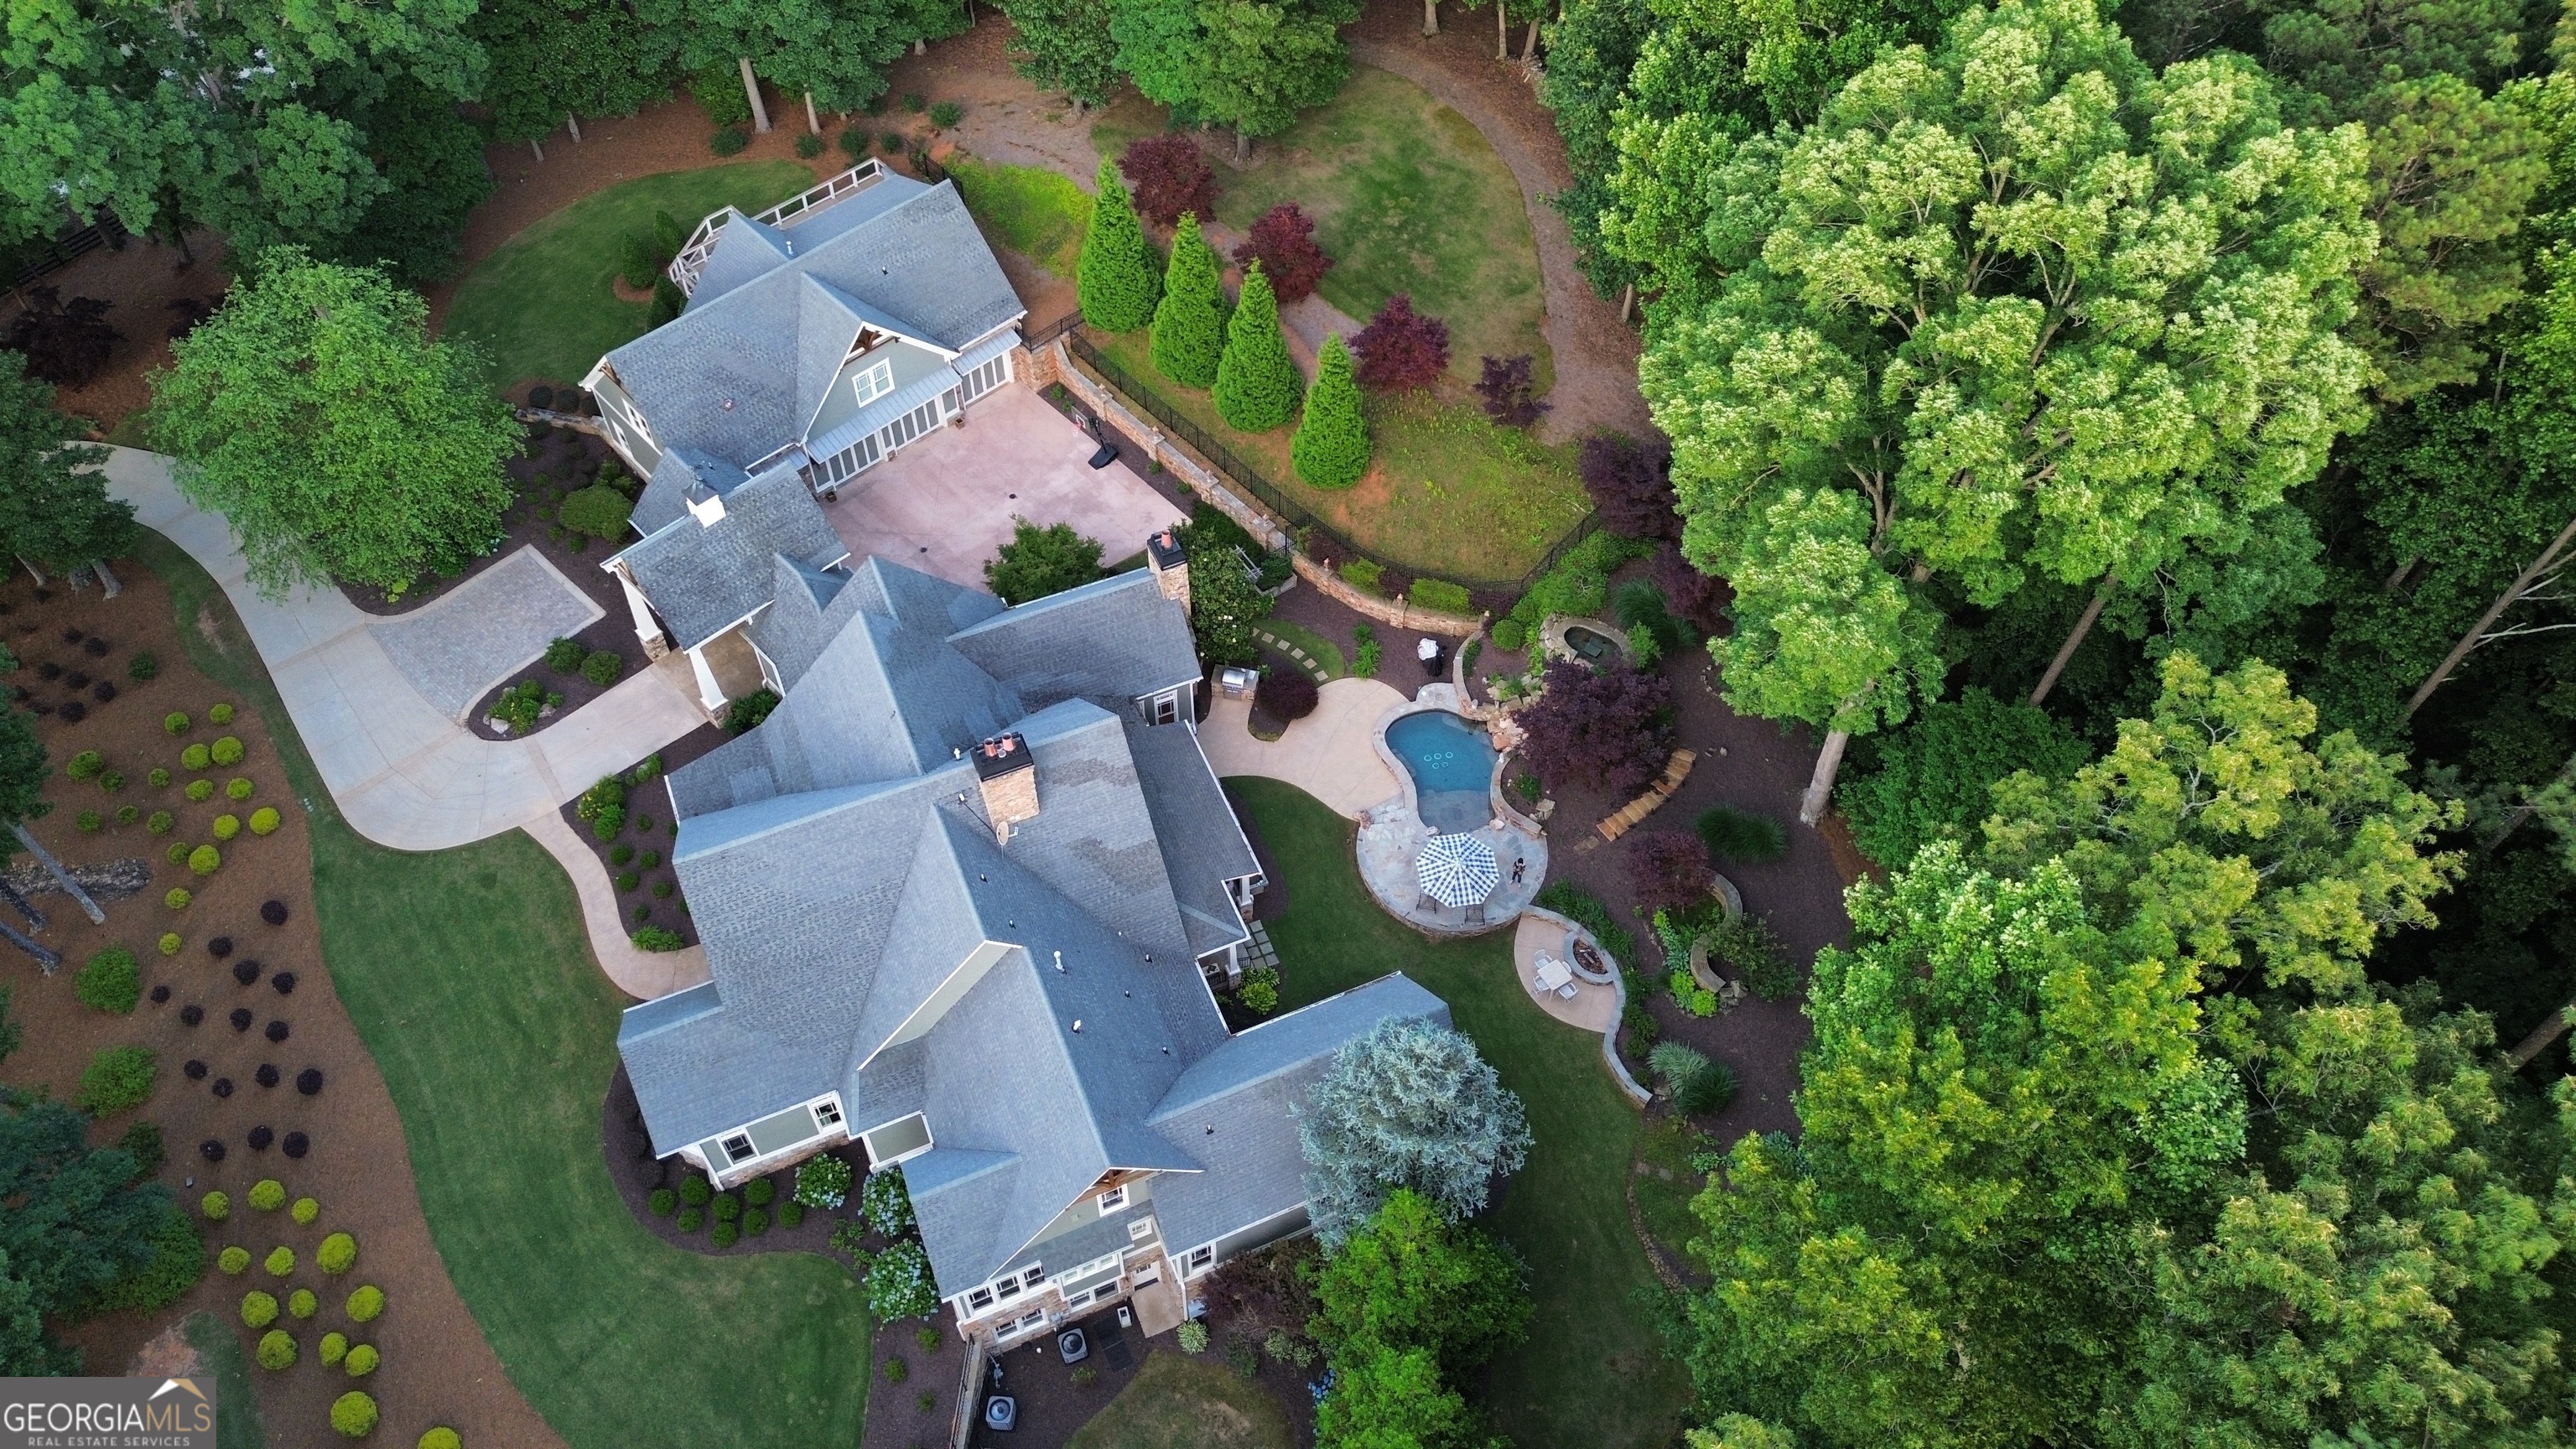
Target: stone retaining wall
[
  {"x": 1395, "y": 613},
  {"x": 1054, "y": 364}
]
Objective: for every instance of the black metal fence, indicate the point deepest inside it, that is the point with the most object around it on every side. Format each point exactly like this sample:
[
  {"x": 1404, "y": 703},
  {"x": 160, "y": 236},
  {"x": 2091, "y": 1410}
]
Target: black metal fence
[{"x": 1320, "y": 539}]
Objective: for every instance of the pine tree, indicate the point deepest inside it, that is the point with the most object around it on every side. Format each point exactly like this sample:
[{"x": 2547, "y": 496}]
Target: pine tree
[
  {"x": 1256, "y": 383},
  {"x": 1116, "y": 275},
  {"x": 1189, "y": 323},
  {"x": 1331, "y": 449}
]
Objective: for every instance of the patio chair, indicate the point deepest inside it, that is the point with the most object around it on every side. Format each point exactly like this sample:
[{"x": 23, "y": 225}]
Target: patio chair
[
  {"x": 1567, "y": 992},
  {"x": 1476, "y": 914}
]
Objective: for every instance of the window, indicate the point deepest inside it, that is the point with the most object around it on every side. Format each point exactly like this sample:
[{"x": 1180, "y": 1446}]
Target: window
[
  {"x": 1034, "y": 1276},
  {"x": 986, "y": 376},
  {"x": 850, "y": 461},
  {"x": 827, "y": 1113},
  {"x": 979, "y": 1300},
  {"x": 910, "y": 426},
  {"x": 1201, "y": 1257},
  {"x": 874, "y": 382},
  {"x": 1112, "y": 1200},
  {"x": 737, "y": 1148},
  {"x": 1164, "y": 708},
  {"x": 1007, "y": 1288},
  {"x": 1139, "y": 1230}
]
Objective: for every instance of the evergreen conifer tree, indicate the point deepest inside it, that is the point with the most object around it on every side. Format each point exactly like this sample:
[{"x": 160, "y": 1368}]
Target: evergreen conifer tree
[
  {"x": 1256, "y": 382},
  {"x": 1116, "y": 275},
  {"x": 1331, "y": 449},
  {"x": 1189, "y": 323}
]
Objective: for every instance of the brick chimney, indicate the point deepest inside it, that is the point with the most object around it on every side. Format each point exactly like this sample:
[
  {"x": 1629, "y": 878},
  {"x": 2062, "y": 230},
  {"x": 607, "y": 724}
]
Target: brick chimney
[
  {"x": 1009, "y": 776},
  {"x": 1171, "y": 567}
]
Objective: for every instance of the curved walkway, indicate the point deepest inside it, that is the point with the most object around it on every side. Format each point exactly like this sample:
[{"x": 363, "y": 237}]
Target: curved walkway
[
  {"x": 1330, "y": 754},
  {"x": 402, "y": 773},
  {"x": 1595, "y": 353}
]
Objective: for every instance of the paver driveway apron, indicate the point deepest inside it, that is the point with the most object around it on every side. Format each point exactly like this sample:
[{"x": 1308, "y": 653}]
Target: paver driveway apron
[
  {"x": 403, "y": 772},
  {"x": 498, "y": 623}
]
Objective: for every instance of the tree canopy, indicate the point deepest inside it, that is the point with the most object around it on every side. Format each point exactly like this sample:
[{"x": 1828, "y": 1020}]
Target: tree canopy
[
  {"x": 54, "y": 508},
  {"x": 315, "y": 412},
  {"x": 1409, "y": 1105}
]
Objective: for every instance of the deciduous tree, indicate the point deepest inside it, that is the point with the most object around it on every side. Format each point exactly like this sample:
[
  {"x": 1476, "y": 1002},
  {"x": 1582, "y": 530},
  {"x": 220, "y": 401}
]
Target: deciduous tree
[
  {"x": 1670, "y": 869},
  {"x": 1065, "y": 45},
  {"x": 1412, "y": 1277},
  {"x": 1612, "y": 727},
  {"x": 1041, "y": 561},
  {"x": 317, "y": 415},
  {"x": 1400, "y": 349},
  {"x": 1257, "y": 384},
  {"x": 1631, "y": 485},
  {"x": 1171, "y": 177},
  {"x": 1282, "y": 239}
]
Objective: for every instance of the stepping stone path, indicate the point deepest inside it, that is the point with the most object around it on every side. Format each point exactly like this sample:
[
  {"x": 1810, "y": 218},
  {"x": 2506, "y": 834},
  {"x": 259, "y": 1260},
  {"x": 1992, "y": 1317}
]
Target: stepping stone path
[{"x": 1292, "y": 651}]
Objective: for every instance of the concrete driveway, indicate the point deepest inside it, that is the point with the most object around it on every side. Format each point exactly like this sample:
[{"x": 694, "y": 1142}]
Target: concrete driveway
[{"x": 944, "y": 505}]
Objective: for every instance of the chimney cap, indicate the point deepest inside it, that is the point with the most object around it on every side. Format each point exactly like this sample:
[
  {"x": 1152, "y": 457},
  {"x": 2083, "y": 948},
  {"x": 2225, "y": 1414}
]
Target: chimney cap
[
  {"x": 1164, "y": 549},
  {"x": 1000, "y": 756}
]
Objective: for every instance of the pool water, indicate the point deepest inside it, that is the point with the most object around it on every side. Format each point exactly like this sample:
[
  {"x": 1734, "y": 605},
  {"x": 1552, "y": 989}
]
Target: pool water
[{"x": 1452, "y": 764}]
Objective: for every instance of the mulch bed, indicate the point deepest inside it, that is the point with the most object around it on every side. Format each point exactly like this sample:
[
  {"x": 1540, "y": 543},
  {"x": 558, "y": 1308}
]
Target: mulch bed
[
  {"x": 437, "y": 1367},
  {"x": 648, "y": 805},
  {"x": 628, "y": 1150},
  {"x": 916, "y": 1412}
]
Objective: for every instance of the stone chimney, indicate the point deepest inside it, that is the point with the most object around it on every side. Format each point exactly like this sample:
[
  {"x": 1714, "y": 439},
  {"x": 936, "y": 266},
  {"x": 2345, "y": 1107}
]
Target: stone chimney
[
  {"x": 1009, "y": 776},
  {"x": 1171, "y": 567},
  {"x": 705, "y": 505}
]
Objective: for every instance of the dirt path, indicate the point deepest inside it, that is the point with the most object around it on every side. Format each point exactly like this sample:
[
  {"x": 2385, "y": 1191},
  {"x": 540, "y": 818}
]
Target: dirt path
[{"x": 1596, "y": 355}]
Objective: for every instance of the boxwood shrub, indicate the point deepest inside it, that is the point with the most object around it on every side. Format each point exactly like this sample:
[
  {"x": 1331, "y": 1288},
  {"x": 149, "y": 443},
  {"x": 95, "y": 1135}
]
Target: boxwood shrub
[
  {"x": 335, "y": 1347},
  {"x": 109, "y": 981},
  {"x": 216, "y": 1207},
  {"x": 194, "y": 757},
  {"x": 169, "y": 943},
  {"x": 337, "y": 1253},
  {"x": 239, "y": 787},
  {"x": 264, "y": 821},
  {"x": 176, "y": 722},
  {"x": 234, "y": 1260},
  {"x": 759, "y": 1192},
  {"x": 726, "y": 1207},
  {"x": 205, "y": 859},
  {"x": 226, "y": 751},
  {"x": 695, "y": 1190},
  {"x": 162, "y": 822},
  {"x": 258, "y": 1309},
  {"x": 365, "y": 1302},
  {"x": 362, "y": 1360},
  {"x": 221, "y": 714},
  {"x": 306, "y": 1209},
  {"x": 277, "y": 1350},
  {"x": 724, "y": 1236},
  {"x": 691, "y": 1219},
  {"x": 354, "y": 1415},
  {"x": 790, "y": 1213},
  {"x": 281, "y": 1261},
  {"x": 177, "y": 898},
  {"x": 663, "y": 1202},
  {"x": 201, "y": 791},
  {"x": 302, "y": 1304},
  {"x": 754, "y": 1222},
  {"x": 118, "y": 1078},
  {"x": 226, "y": 827}
]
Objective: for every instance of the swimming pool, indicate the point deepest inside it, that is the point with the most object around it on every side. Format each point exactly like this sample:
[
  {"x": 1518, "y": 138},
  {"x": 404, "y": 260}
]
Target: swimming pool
[{"x": 1452, "y": 764}]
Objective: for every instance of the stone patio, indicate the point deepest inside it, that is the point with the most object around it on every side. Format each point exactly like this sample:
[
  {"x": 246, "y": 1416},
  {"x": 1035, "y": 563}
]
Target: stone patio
[
  {"x": 944, "y": 505},
  {"x": 1391, "y": 837},
  {"x": 455, "y": 650},
  {"x": 1595, "y": 1005}
]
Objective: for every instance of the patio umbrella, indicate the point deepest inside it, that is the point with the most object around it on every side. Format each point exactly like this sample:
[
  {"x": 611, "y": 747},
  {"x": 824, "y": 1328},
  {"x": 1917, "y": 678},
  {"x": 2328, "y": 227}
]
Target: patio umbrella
[{"x": 1456, "y": 870}]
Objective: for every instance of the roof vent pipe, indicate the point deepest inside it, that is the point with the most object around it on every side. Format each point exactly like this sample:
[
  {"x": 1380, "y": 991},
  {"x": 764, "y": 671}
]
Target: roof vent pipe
[{"x": 1059, "y": 960}]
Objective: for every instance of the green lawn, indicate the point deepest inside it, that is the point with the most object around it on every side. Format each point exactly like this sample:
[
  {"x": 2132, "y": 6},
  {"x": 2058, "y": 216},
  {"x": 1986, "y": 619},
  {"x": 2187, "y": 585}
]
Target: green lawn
[
  {"x": 1593, "y": 1375},
  {"x": 237, "y": 1423},
  {"x": 543, "y": 305},
  {"x": 470, "y": 977},
  {"x": 1177, "y": 1402},
  {"x": 1451, "y": 494},
  {"x": 1406, "y": 197},
  {"x": 1038, "y": 213}
]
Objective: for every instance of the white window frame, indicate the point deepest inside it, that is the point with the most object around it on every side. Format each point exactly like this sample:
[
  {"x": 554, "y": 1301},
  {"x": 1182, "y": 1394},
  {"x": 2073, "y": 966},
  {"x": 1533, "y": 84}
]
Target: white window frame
[
  {"x": 873, "y": 382},
  {"x": 1202, "y": 1258},
  {"x": 1163, "y": 708},
  {"x": 1112, "y": 1200},
  {"x": 737, "y": 1149},
  {"x": 987, "y": 375},
  {"x": 977, "y": 1300}
]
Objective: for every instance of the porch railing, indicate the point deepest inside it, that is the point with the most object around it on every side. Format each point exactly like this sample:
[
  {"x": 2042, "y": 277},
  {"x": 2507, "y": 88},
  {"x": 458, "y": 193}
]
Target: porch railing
[{"x": 692, "y": 260}]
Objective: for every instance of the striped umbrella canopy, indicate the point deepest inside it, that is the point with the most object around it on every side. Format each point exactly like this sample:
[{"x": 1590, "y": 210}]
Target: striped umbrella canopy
[{"x": 1456, "y": 870}]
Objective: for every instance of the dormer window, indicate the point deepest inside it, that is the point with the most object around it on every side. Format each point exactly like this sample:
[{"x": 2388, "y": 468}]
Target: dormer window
[
  {"x": 873, "y": 382},
  {"x": 1112, "y": 1200}
]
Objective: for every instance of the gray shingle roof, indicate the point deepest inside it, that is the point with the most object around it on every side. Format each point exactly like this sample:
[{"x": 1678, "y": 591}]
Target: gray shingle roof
[
  {"x": 757, "y": 335},
  {"x": 1249, "y": 1090},
  {"x": 664, "y": 500},
  {"x": 1037, "y": 1001},
  {"x": 703, "y": 579}
]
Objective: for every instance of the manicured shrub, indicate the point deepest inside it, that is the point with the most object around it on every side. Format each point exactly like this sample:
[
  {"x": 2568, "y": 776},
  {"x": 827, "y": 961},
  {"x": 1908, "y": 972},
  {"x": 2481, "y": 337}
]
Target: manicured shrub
[
  {"x": 662, "y": 1202},
  {"x": 1508, "y": 392},
  {"x": 726, "y": 1207},
  {"x": 177, "y": 854},
  {"x": 362, "y": 1360},
  {"x": 691, "y": 1219},
  {"x": 258, "y": 1309},
  {"x": 226, "y": 751},
  {"x": 656, "y": 938},
  {"x": 235, "y": 1261},
  {"x": 1282, "y": 239},
  {"x": 1194, "y": 1336},
  {"x": 201, "y": 791},
  {"x": 306, "y": 1209},
  {"x": 1442, "y": 595},
  {"x": 602, "y": 668},
  {"x": 87, "y": 765},
  {"x": 280, "y": 1261},
  {"x": 1286, "y": 694},
  {"x": 441, "y": 1437},
  {"x": 854, "y": 142},
  {"x": 823, "y": 1182},
  {"x": 1115, "y": 276},
  {"x": 221, "y": 714},
  {"x": 598, "y": 511},
  {"x": 302, "y": 1304},
  {"x": 947, "y": 114},
  {"x": 1171, "y": 176},
  {"x": 790, "y": 1213},
  {"x": 195, "y": 757},
  {"x": 649, "y": 859},
  {"x": 1189, "y": 322},
  {"x": 724, "y": 1235},
  {"x": 264, "y": 821},
  {"x": 748, "y": 712},
  {"x": 365, "y": 1302},
  {"x": 896, "y": 1368},
  {"x": 238, "y": 787},
  {"x": 128, "y": 814},
  {"x": 215, "y": 1206},
  {"x": 695, "y": 1190},
  {"x": 169, "y": 944},
  {"x": 1257, "y": 385},
  {"x": 563, "y": 656},
  {"x": 1362, "y": 574},
  {"x": 1400, "y": 349},
  {"x": 157, "y": 777},
  {"x": 225, "y": 828},
  {"x": 276, "y": 1349},
  {"x": 205, "y": 859},
  {"x": 729, "y": 141},
  {"x": 620, "y": 853},
  {"x": 335, "y": 1347},
  {"x": 162, "y": 822},
  {"x": 89, "y": 822},
  {"x": 111, "y": 781},
  {"x": 337, "y": 1253},
  {"x": 117, "y": 1078},
  {"x": 175, "y": 722},
  {"x": 109, "y": 981},
  {"x": 308, "y": 1081},
  {"x": 353, "y": 1413},
  {"x": 1331, "y": 445},
  {"x": 759, "y": 1192},
  {"x": 142, "y": 667},
  {"x": 754, "y": 1222}
]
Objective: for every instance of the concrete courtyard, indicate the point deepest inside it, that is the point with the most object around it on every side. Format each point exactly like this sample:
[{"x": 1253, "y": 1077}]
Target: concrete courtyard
[{"x": 944, "y": 505}]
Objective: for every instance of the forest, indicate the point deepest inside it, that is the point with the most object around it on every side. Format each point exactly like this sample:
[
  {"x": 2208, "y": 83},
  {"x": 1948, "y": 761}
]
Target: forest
[{"x": 2140, "y": 444}]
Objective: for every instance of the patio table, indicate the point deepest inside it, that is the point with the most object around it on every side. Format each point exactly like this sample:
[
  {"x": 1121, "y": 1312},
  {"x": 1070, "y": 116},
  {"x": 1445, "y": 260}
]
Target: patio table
[{"x": 1552, "y": 974}]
